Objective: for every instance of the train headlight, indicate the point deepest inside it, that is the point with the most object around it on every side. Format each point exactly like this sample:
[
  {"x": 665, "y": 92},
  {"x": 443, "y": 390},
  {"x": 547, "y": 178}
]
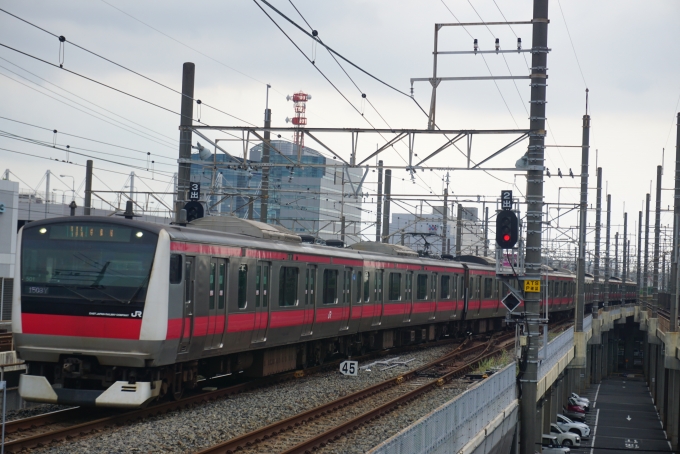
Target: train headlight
[
  {"x": 42, "y": 231},
  {"x": 139, "y": 234}
]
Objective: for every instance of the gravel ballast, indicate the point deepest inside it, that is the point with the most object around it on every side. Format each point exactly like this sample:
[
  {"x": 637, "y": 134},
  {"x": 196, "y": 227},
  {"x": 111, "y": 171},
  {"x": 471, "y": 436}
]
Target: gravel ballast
[{"x": 205, "y": 425}]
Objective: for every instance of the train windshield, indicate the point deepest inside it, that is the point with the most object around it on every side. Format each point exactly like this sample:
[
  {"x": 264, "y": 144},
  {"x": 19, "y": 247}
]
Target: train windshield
[{"x": 87, "y": 262}]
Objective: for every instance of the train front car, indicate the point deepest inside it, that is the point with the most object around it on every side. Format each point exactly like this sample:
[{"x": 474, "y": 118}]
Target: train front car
[{"x": 91, "y": 312}]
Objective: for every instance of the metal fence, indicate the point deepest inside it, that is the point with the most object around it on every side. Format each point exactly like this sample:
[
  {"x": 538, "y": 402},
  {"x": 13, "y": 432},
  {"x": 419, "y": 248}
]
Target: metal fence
[
  {"x": 556, "y": 349},
  {"x": 450, "y": 427}
]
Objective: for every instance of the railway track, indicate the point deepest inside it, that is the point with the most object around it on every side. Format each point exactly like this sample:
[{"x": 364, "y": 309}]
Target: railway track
[
  {"x": 43, "y": 430},
  {"x": 314, "y": 428}
]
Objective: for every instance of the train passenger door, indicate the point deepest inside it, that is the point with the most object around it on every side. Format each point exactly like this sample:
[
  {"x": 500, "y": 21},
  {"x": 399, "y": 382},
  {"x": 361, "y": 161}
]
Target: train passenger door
[
  {"x": 188, "y": 307},
  {"x": 433, "y": 296},
  {"x": 261, "y": 301},
  {"x": 465, "y": 291},
  {"x": 378, "y": 306},
  {"x": 216, "y": 304},
  {"x": 346, "y": 300},
  {"x": 408, "y": 296},
  {"x": 310, "y": 300}
]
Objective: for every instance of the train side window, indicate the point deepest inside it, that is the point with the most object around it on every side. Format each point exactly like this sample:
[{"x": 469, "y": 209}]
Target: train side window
[
  {"x": 265, "y": 285},
  {"x": 175, "y": 269},
  {"x": 471, "y": 288},
  {"x": 421, "y": 287},
  {"x": 288, "y": 286},
  {"x": 347, "y": 289},
  {"x": 565, "y": 290},
  {"x": 454, "y": 289},
  {"x": 330, "y": 286},
  {"x": 488, "y": 288},
  {"x": 444, "y": 290},
  {"x": 367, "y": 292},
  {"x": 395, "y": 287},
  {"x": 242, "y": 285}
]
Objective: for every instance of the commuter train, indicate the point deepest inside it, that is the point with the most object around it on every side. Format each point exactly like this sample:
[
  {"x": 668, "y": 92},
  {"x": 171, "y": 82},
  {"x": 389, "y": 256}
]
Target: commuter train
[{"x": 117, "y": 312}]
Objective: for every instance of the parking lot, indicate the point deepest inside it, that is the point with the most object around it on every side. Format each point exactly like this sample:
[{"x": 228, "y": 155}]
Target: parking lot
[{"x": 622, "y": 418}]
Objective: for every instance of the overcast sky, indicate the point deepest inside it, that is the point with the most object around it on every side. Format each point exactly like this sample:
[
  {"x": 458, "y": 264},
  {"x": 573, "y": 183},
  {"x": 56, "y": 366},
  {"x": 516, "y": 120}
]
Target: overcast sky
[{"x": 625, "y": 52}]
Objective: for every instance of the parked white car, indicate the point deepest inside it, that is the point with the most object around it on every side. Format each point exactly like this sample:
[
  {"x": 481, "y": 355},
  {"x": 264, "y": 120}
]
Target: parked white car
[
  {"x": 552, "y": 446},
  {"x": 578, "y": 428},
  {"x": 566, "y": 439},
  {"x": 577, "y": 397}
]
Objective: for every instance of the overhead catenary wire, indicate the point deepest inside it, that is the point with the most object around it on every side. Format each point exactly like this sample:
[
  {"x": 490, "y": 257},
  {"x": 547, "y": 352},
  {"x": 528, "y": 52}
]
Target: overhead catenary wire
[
  {"x": 124, "y": 67},
  {"x": 85, "y": 138}
]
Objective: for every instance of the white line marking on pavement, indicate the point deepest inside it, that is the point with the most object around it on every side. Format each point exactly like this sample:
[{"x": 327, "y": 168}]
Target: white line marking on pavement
[{"x": 597, "y": 416}]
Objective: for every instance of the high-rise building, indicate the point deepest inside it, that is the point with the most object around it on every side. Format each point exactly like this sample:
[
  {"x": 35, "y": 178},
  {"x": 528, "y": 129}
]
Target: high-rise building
[{"x": 306, "y": 199}]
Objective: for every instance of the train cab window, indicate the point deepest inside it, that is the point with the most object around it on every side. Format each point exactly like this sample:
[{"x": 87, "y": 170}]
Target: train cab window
[
  {"x": 222, "y": 280},
  {"x": 288, "y": 286},
  {"x": 394, "y": 291},
  {"x": 488, "y": 287},
  {"x": 445, "y": 287},
  {"x": 367, "y": 292},
  {"x": 330, "y": 286},
  {"x": 421, "y": 287},
  {"x": 175, "y": 269},
  {"x": 242, "y": 286}
]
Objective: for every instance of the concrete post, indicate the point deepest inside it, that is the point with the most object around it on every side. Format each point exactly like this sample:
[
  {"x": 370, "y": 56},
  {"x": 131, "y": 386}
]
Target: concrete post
[
  {"x": 264, "y": 202},
  {"x": 645, "y": 277},
  {"x": 445, "y": 221},
  {"x": 386, "y": 211},
  {"x": 607, "y": 265},
  {"x": 186, "y": 119},
  {"x": 673, "y": 318},
  {"x": 547, "y": 411},
  {"x": 657, "y": 234},
  {"x": 528, "y": 375},
  {"x": 598, "y": 226},
  {"x": 378, "y": 216}
]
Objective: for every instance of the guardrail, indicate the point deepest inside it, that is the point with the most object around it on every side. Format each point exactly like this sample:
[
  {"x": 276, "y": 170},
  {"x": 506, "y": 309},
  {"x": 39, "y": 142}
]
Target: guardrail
[{"x": 450, "y": 427}]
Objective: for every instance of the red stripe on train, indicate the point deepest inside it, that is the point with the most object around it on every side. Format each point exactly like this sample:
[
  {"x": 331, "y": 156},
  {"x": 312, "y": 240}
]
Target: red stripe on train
[
  {"x": 81, "y": 326},
  {"x": 205, "y": 249}
]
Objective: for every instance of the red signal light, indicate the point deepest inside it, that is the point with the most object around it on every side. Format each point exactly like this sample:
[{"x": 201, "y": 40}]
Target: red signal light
[{"x": 506, "y": 237}]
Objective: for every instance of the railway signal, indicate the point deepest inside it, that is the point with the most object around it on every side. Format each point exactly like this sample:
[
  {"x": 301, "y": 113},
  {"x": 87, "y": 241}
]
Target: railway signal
[{"x": 507, "y": 229}]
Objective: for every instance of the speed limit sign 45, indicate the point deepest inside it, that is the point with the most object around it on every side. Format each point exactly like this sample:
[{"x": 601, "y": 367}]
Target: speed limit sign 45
[{"x": 349, "y": 368}]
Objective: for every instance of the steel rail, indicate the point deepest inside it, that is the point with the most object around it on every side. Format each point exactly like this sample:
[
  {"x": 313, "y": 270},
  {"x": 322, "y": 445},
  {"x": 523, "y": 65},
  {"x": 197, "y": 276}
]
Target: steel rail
[{"x": 264, "y": 433}]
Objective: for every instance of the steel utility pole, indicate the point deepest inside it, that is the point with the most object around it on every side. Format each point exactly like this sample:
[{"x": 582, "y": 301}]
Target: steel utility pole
[
  {"x": 598, "y": 227},
  {"x": 607, "y": 266},
  {"x": 657, "y": 234},
  {"x": 378, "y": 221},
  {"x": 675, "y": 276},
  {"x": 186, "y": 119},
  {"x": 386, "y": 211},
  {"x": 264, "y": 201},
  {"x": 581, "y": 282},
  {"x": 530, "y": 432},
  {"x": 88, "y": 188}
]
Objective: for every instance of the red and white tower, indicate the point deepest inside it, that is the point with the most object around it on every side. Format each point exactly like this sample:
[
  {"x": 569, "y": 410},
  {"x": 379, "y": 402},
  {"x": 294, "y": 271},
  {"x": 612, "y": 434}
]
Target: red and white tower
[{"x": 299, "y": 120}]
